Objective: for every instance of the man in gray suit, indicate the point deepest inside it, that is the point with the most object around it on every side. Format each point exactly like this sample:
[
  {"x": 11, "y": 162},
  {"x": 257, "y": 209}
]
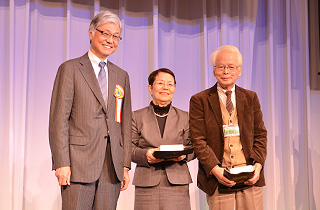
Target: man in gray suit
[{"x": 90, "y": 122}]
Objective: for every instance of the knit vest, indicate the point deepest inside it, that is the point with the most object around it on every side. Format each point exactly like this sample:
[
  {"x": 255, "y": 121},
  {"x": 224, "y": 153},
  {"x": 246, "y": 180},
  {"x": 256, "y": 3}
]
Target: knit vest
[{"x": 233, "y": 155}]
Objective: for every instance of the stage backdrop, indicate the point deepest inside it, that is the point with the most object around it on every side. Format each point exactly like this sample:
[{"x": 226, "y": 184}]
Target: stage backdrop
[{"x": 37, "y": 36}]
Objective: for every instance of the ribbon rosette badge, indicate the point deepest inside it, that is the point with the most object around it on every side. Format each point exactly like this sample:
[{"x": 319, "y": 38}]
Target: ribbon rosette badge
[{"x": 119, "y": 94}]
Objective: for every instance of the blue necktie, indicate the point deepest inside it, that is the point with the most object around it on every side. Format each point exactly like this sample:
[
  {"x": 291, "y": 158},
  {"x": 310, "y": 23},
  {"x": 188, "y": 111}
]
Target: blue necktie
[{"x": 103, "y": 83}]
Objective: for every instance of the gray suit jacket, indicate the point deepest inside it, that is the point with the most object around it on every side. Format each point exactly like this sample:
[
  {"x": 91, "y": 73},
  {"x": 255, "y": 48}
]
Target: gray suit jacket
[
  {"x": 80, "y": 121},
  {"x": 146, "y": 135}
]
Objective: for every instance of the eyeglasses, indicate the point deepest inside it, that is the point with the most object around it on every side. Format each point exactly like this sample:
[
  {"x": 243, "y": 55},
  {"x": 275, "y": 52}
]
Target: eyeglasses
[
  {"x": 161, "y": 84},
  {"x": 223, "y": 67},
  {"x": 106, "y": 35}
]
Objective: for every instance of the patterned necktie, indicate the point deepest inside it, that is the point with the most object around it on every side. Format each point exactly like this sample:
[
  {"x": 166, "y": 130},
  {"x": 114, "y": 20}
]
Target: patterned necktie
[
  {"x": 102, "y": 79},
  {"x": 229, "y": 104}
]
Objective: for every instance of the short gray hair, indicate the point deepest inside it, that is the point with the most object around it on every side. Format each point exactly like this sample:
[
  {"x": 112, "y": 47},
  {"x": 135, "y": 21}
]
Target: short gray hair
[
  {"x": 225, "y": 48},
  {"x": 104, "y": 17}
]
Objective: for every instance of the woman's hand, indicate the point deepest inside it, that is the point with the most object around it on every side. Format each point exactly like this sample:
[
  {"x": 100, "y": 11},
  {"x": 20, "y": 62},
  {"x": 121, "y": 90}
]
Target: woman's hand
[
  {"x": 177, "y": 159},
  {"x": 151, "y": 159}
]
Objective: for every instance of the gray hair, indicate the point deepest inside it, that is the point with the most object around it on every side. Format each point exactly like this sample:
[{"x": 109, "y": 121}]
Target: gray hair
[
  {"x": 104, "y": 17},
  {"x": 225, "y": 48}
]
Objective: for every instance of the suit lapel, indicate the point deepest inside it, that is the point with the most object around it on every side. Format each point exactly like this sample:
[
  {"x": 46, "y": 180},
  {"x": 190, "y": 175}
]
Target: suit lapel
[
  {"x": 153, "y": 123},
  {"x": 112, "y": 80},
  {"x": 215, "y": 105},
  {"x": 240, "y": 102},
  {"x": 87, "y": 71}
]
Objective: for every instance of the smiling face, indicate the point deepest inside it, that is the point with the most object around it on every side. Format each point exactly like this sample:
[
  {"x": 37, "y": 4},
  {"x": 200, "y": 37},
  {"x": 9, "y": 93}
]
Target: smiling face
[
  {"x": 162, "y": 89},
  {"x": 103, "y": 47},
  {"x": 226, "y": 77}
]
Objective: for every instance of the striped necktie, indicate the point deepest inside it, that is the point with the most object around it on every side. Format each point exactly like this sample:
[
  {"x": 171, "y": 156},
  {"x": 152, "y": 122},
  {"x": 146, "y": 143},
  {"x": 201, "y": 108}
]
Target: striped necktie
[
  {"x": 102, "y": 79},
  {"x": 229, "y": 104}
]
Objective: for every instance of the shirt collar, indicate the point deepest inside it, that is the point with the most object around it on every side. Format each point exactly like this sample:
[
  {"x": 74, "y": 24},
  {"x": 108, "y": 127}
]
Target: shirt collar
[
  {"x": 94, "y": 59},
  {"x": 220, "y": 89}
]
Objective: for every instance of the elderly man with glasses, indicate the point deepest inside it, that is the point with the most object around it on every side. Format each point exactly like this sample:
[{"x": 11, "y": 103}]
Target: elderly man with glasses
[
  {"x": 90, "y": 122},
  {"x": 228, "y": 133}
]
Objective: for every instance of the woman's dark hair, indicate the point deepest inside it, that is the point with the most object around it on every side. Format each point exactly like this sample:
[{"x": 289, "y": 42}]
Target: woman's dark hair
[{"x": 152, "y": 76}]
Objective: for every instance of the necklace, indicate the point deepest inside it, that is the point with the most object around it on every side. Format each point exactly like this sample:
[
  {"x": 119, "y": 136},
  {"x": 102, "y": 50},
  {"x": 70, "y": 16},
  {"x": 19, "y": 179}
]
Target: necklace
[{"x": 158, "y": 115}]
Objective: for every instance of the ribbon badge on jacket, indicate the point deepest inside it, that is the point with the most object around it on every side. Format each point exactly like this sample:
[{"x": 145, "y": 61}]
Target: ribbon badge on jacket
[{"x": 119, "y": 94}]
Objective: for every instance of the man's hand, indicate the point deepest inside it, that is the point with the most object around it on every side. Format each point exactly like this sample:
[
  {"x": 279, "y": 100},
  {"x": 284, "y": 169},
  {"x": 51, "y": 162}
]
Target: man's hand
[
  {"x": 217, "y": 171},
  {"x": 126, "y": 179},
  {"x": 63, "y": 175},
  {"x": 151, "y": 159},
  {"x": 256, "y": 175}
]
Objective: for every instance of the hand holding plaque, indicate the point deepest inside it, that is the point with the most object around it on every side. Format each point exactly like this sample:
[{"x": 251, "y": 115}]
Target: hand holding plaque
[
  {"x": 239, "y": 175},
  {"x": 172, "y": 151}
]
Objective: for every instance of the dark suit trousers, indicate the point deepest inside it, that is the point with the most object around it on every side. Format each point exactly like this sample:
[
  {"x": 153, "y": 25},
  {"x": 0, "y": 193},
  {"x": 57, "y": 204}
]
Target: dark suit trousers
[{"x": 100, "y": 195}]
